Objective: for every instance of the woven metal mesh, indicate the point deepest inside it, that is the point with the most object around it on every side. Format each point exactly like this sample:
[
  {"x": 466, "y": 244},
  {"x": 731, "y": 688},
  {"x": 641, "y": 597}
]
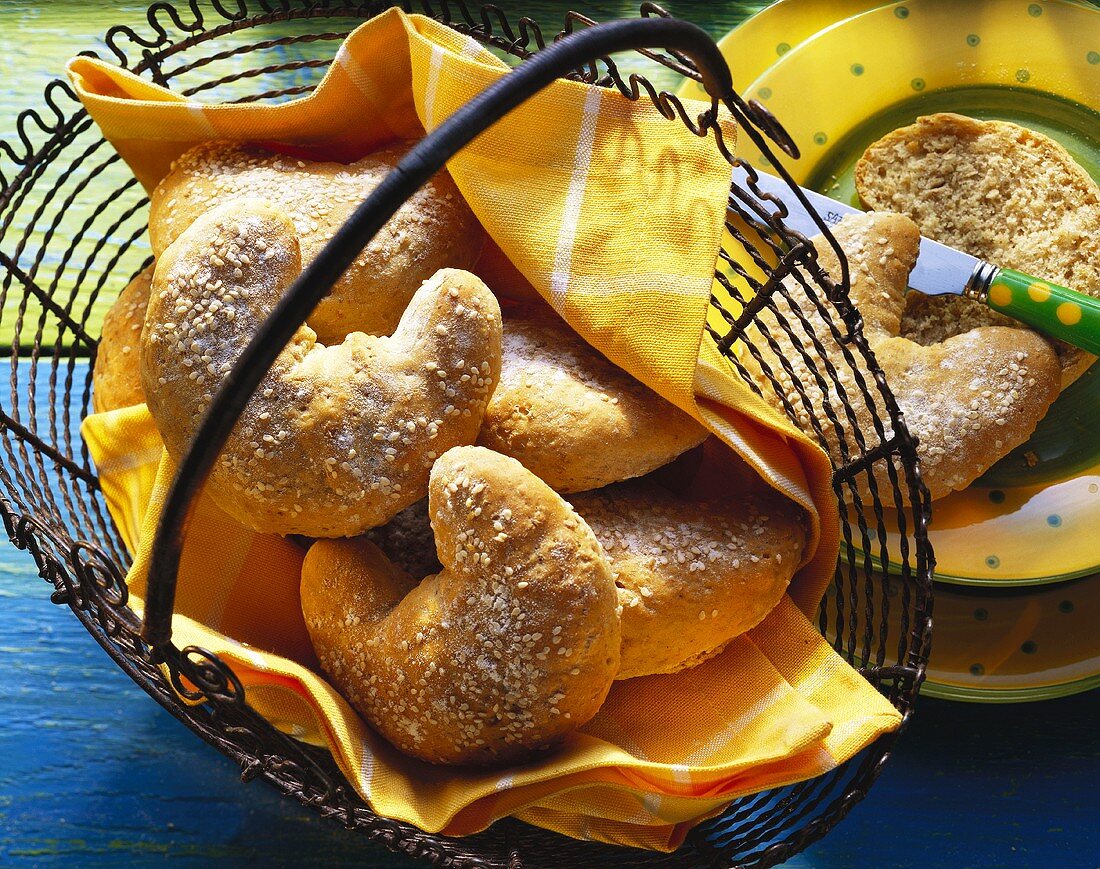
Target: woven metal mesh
[{"x": 72, "y": 234}]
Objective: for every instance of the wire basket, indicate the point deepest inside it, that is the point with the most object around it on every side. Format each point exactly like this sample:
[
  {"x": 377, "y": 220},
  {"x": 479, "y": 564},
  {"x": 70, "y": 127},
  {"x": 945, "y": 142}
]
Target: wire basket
[{"x": 57, "y": 261}]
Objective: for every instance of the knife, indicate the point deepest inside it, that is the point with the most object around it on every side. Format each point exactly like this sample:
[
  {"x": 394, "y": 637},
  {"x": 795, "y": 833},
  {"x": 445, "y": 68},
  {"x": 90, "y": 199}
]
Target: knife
[{"x": 1052, "y": 309}]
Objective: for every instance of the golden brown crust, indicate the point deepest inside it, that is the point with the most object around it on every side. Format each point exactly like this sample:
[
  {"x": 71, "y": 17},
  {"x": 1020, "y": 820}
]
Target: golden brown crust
[
  {"x": 511, "y": 646},
  {"x": 116, "y": 376},
  {"x": 434, "y": 229},
  {"x": 968, "y": 400},
  {"x": 692, "y": 575},
  {"x": 338, "y": 439},
  {"x": 673, "y": 558},
  {"x": 999, "y": 191},
  {"x": 572, "y": 417}
]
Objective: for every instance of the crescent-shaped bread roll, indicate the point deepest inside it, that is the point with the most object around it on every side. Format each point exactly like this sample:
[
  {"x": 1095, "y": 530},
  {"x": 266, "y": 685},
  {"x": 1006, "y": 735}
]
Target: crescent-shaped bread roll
[
  {"x": 514, "y": 644},
  {"x": 571, "y": 416},
  {"x": 434, "y": 229},
  {"x": 968, "y": 400},
  {"x": 337, "y": 439},
  {"x": 999, "y": 191}
]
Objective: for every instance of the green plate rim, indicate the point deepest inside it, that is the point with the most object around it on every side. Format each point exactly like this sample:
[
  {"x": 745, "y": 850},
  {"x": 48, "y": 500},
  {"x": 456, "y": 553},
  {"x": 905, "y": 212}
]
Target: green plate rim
[
  {"x": 945, "y": 691},
  {"x": 951, "y": 579}
]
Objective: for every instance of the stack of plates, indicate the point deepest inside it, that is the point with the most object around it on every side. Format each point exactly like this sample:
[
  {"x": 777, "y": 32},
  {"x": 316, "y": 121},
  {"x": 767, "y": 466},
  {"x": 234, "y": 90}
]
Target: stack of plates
[{"x": 1018, "y": 553}]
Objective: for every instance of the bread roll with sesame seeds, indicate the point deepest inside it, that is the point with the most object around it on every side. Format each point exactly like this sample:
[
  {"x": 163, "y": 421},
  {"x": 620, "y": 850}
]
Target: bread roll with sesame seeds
[
  {"x": 1004, "y": 193},
  {"x": 337, "y": 439},
  {"x": 968, "y": 400},
  {"x": 691, "y": 575},
  {"x": 434, "y": 229},
  {"x": 571, "y": 416},
  {"x": 511, "y": 646},
  {"x": 116, "y": 375}
]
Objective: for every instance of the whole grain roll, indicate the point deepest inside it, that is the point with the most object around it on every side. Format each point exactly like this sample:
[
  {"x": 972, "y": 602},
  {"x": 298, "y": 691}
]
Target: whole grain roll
[
  {"x": 336, "y": 439},
  {"x": 692, "y": 575},
  {"x": 572, "y": 417},
  {"x": 512, "y": 646},
  {"x": 968, "y": 400},
  {"x": 999, "y": 191}
]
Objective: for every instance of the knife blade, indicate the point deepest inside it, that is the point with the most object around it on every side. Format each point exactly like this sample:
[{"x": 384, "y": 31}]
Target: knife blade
[{"x": 1044, "y": 305}]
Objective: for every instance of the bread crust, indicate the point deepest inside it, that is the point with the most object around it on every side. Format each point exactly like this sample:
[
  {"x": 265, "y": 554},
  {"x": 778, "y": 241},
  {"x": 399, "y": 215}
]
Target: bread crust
[
  {"x": 968, "y": 400},
  {"x": 434, "y": 229},
  {"x": 336, "y": 439},
  {"x": 999, "y": 191},
  {"x": 116, "y": 375},
  {"x": 692, "y": 575},
  {"x": 571, "y": 416},
  {"x": 513, "y": 645}
]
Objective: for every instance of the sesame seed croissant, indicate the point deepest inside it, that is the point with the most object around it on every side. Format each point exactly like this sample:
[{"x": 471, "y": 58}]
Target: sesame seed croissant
[
  {"x": 337, "y": 439},
  {"x": 432, "y": 230},
  {"x": 511, "y": 646},
  {"x": 968, "y": 400}
]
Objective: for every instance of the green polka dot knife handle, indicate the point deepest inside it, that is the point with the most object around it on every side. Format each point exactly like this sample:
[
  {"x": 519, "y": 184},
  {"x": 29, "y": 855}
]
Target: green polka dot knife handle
[{"x": 1049, "y": 308}]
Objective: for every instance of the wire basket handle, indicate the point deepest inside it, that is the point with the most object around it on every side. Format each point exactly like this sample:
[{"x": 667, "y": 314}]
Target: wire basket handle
[{"x": 425, "y": 159}]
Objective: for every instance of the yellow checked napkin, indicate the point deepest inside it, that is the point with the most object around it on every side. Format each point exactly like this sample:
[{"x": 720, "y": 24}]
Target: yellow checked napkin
[{"x": 614, "y": 215}]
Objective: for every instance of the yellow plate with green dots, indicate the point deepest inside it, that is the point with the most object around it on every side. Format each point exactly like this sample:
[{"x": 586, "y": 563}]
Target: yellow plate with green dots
[
  {"x": 1001, "y": 645},
  {"x": 1033, "y": 518},
  {"x": 763, "y": 38}
]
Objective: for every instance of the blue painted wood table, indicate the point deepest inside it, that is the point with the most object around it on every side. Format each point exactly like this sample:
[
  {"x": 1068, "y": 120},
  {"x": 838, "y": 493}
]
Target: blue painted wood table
[{"x": 93, "y": 773}]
